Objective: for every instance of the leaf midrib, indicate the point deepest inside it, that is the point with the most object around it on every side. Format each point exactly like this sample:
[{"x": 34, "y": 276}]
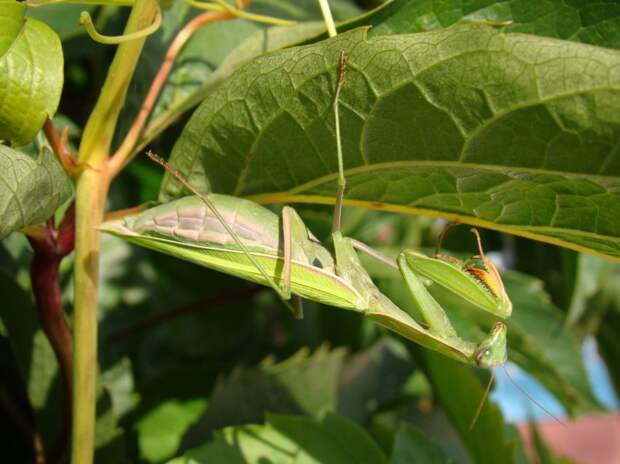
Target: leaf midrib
[{"x": 372, "y": 168}]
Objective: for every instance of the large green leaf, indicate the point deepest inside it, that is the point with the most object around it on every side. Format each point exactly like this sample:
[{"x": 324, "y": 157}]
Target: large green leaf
[
  {"x": 373, "y": 379},
  {"x": 289, "y": 439},
  {"x": 507, "y": 131},
  {"x": 31, "y": 73},
  {"x": 582, "y": 21},
  {"x": 30, "y": 190}
]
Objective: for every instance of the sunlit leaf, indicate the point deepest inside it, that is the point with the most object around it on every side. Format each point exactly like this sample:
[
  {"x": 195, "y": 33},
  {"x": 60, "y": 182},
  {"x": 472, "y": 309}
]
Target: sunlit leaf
[{"x": 31, "y": 73}]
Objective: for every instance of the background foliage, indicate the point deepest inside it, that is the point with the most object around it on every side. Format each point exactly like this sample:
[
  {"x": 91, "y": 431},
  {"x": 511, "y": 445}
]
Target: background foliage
[{"x": 508, "y": 120}]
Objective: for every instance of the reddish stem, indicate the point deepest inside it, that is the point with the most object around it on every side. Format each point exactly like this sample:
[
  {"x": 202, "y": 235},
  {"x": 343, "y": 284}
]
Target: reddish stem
[{"x": 44, "y": 273}]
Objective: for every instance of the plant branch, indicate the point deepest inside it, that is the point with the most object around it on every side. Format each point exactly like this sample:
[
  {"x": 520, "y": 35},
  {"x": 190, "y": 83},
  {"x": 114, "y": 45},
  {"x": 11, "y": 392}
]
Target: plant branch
[
  {"x": 91, "y": 190},
  {"x": 124, "y": 153}
]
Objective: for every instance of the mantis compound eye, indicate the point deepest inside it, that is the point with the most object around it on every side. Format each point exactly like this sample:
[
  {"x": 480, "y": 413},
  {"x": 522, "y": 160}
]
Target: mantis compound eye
[{"x": 482, "y": 356}]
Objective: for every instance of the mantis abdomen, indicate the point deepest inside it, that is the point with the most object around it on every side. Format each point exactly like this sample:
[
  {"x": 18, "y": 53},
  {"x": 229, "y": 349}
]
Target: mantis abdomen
[{"x": 186, "y": 228}]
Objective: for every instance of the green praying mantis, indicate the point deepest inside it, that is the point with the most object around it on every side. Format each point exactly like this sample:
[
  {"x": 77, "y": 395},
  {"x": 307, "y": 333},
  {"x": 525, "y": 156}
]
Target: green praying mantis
[{"x": 247, "y": 240}]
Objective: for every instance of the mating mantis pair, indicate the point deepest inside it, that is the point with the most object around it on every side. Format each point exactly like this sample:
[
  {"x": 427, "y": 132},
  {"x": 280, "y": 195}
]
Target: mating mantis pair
[{"x": 242, "y": 238}]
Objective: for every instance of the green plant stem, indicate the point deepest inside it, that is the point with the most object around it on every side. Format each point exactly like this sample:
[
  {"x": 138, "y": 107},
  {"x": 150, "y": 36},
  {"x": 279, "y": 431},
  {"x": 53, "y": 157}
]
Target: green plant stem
[{"x": 91, "y": 189}]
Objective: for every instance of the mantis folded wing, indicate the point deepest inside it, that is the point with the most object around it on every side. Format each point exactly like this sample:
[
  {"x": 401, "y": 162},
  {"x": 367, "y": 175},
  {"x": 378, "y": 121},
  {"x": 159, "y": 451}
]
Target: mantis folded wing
[
  {"x": 244, "y": 239},
  {"x": 187, "y": 229}
]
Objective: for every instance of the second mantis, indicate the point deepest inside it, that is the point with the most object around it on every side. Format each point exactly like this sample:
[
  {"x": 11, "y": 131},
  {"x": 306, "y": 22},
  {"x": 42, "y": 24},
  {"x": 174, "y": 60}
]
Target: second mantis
[{"x": 242, "y": 238}]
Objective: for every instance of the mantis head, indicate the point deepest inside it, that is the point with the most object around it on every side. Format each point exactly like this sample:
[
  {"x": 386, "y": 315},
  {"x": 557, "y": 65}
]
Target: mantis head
[
  {"x": 483, "y": 270},
  {"x": 492, "y": 350}
]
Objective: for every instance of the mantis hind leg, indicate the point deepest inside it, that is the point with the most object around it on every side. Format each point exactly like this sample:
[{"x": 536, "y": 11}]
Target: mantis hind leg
[{"x": 286, "y": 270}]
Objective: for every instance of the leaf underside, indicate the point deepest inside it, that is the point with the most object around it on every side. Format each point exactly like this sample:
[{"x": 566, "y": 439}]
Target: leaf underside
[
  {"x": 30, "y": 190},
  {"x": 507, "y": 131}
]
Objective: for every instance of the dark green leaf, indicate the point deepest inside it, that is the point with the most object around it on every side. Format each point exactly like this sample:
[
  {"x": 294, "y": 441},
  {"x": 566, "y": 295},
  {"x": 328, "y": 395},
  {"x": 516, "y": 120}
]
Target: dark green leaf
[
  {"x": 30, "y": 190},
  {"x": 411, "y": 446},
  {"x": 39, "y": 370},
  {"x": 468, "y": 123},
  {"x": 459, "y": 391},
  {"x": 590, "y": 22},
  {"x": 372, "y": 378},
  {"x": 34, "y": 355},
  {"x": 605, "y": 306}
]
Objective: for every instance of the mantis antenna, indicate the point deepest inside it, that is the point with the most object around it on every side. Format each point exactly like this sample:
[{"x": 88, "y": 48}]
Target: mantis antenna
[
  {"x": 177, "y": 175},
  {"x": 482, "y": 401},
  {"x": 529, "y": 397},
  {"x": 520, "y": 388}
]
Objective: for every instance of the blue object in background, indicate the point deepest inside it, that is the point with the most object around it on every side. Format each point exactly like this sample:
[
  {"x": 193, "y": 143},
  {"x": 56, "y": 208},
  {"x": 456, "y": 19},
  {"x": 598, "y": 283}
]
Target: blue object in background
[{"x": 518, "y": 408}]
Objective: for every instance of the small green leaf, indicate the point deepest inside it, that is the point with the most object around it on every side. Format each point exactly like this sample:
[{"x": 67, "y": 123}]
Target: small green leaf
[
  {"x": 31, "y": 74},
  {"x": 30, "y": 190},
  {"x": 161, "y": 430},
  {"x": 289, "y": 439}
]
